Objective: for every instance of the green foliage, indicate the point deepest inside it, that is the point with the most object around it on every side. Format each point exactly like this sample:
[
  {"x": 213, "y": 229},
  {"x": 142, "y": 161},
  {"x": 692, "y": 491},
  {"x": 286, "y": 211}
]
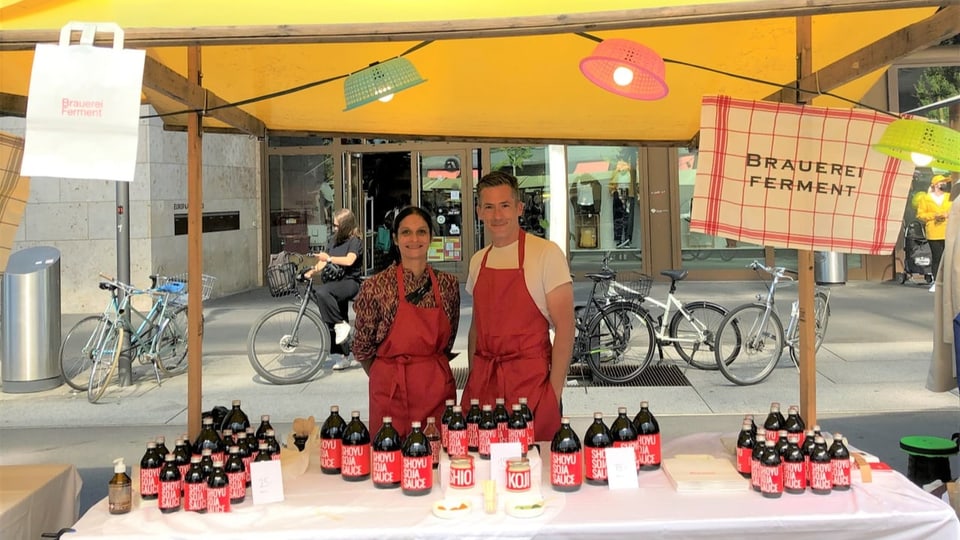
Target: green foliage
[{"x": 937, "y": 83}]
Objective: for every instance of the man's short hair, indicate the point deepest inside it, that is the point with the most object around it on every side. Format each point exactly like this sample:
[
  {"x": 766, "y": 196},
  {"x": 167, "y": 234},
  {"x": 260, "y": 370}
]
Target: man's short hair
[{"x": 499, "y": 178}]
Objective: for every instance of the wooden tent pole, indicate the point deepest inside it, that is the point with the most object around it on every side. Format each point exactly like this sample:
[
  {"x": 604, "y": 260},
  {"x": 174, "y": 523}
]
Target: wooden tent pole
[
  {"x": 806, "y": 287},
  {"x": 194, "y": 254}
]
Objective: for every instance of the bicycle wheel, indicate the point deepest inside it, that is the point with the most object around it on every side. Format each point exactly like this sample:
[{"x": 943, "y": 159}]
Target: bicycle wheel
[
  {"x": 171, "y": 344},
  {"x": 284, "y": 356},
  {"x": 77, "y": 351},
  {"x": 621, "y": 337},
  {"x": 821, "y": 306},
  {"x": 705, "y": 317},
  {"x": 105, "y": 364},
  {"x": 749, "y": 343}
]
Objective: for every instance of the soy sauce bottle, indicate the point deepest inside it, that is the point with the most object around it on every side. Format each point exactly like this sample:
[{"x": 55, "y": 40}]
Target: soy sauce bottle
[
  {"x": 774, "y": 422},
  {"x": 264, "y": 426},
  {"x": 417, "y": 463},
  {"x": 162, "y": 449},
  {"x": 195, "y": 488},
  {"x": 745, "y": 445},
  {"x": 528, "y": 416},
  {"x": 457, "y": 433},
  {"x": 771, "y": 473},
  {"x": 794, "y": 468},
  {"x": 355, "y": 451},
  {"x": 473, "y": 421},
  {"x": 386, "y": 456},
  {"x": 150, "y": 465},
  {"x": 218, "y": 494},
  {"x": 517, "y": 429},
  {"x": 236, "y": 476},
  {"x": 648, "y": 438},
  {"x": 181, "y": 456},
  {"x": 445, "y": 421},
  {"x": 758, "y": 449},
  {"x": 840, "y": 464},
  {"x": 208, "y": 438},
  {"x": 170, "y": 486},
  {"x": 795, "y": 424},
  {"x": 502, "y": 418},
  {"x": 595, "y": 440},
  {"x": 432, "y": 433},
  {"x": 246, "y": 458},
  {"x": 486, "y": 432},
  {"x": 236, "y": 419},
  {"x": 566, "y": 459},
  {"x": 821, "y": 474},
  {"x": 331, "y": 440},
  {"x": 625, "y": 435}
]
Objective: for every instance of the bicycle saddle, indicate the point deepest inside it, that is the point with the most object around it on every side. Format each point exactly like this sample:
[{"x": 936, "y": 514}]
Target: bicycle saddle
[
  {"x": 676, "y": 275},
  {"x": 603, "y": 275}
]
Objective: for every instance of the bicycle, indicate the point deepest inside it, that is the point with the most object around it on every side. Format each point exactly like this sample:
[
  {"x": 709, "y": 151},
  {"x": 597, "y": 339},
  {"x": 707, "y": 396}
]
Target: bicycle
[
  {"x": 751, "y": 338},
  {"x": 691, "y": 328},
  {"x": 95, "y": 343},
  {"x": 288, "y": 345}
]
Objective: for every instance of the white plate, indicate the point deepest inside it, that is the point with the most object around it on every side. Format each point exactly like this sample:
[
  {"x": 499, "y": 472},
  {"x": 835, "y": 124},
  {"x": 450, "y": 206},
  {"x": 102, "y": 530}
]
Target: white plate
[
  {"x": 452, "y": 508},
  {"x": 524, "y": 506}
]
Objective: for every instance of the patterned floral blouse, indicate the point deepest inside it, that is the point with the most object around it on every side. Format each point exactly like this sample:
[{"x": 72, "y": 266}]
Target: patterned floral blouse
[{"x": 376, "y": 306}]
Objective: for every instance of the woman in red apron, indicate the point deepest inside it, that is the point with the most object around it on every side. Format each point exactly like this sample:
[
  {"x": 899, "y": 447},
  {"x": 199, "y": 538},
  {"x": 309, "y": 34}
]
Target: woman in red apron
[{"x": 406, "y": 317}]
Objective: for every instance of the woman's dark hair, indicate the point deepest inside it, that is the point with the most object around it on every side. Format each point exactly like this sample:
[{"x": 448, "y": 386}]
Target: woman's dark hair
[
  {"x": 347, "y": 227},
  {"x": 401, "y": 215}
]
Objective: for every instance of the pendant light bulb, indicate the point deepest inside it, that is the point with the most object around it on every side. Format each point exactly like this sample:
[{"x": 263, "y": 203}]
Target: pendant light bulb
[
  {"x": 386, "y": 98},
  {"x": 920, "y": 160},
  {"x": 623, "y": 76}
]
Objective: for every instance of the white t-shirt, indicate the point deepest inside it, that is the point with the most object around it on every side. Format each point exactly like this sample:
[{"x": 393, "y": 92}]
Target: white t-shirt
[{"x": 544, "y": 267}]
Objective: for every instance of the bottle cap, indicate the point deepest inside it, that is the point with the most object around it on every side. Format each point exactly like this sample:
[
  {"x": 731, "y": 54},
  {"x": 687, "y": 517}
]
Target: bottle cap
[
  {"x": 516, "y": 407},
  {"x": 234, "y": 449},
  {"x": 151, "y": 444},
  {"x": 415, "y": 425},
  {"x": 457, "y": 408},
  {"x": 207, "y": 420},
  {"x": 217, "y": 463},
  {"x": 265, "y": 418},
  {"x": 335, "y": 408},
  {"x": 431, "y": 420},
  {"x": 262, "y": 445},
  {"x": 522, "y": 401},
  {"x": 206, "y": 452},
  {"x": 236, "y": 403},
  {"x": 598, "y": 416},
  {"x": 387, "y": 419},
  {"x": 355, "y": 414},
  {"x": 645, "y": 404},
  {"x": 194, "y": 459},
  {"x": 270, "y": 433},
  {"x": 621, "y": 410},
  {"x": 168, "y": 457},
  {"x": 501, "y": 401},
  {"x": 474, "y": 401},
  {"x": 487, "y": 407},
  {"x": 161, "y": 439},
  {"x": 774, "y": 406},
  {"x": 449, "y": 402},
  {"x": 565, "y": 420},
  {"x": 118, "y": 466}
]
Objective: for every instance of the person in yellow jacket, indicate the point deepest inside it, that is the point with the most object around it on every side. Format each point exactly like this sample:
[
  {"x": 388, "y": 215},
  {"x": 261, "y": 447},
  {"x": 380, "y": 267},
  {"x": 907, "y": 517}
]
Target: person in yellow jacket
[{"x": 933, "y": 210}]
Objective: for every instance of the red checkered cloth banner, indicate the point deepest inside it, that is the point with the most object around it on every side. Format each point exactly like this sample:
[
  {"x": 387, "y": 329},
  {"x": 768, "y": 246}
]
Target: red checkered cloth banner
[{"x": 793, "y": 176}]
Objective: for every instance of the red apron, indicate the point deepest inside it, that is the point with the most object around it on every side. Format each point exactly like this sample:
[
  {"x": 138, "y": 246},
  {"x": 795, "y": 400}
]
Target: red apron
[
  {"x": 512, "y": 356},
  {"x": 410, "y": 377}
]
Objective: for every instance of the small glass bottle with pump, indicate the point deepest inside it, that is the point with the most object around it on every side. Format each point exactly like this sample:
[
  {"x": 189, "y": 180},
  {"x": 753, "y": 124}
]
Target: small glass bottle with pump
[{"x": 119, "y": 489}]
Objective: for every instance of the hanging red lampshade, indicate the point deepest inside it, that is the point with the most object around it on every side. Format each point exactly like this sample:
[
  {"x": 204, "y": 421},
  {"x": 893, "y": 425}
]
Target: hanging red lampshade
[{"x": 627, "y": 69}]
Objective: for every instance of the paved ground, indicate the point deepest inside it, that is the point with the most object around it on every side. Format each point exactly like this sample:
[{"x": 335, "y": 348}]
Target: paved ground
[{"x": 870, "y": 385}]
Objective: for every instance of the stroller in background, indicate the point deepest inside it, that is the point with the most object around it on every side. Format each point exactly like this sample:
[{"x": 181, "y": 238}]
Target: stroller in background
[{"x": 917, "y": 254}]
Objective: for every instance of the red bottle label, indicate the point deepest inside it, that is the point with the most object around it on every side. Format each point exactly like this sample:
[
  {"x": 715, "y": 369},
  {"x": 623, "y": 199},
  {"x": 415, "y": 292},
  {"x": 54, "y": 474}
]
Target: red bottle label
[
  {"x": 806, "y": 469},
  {"x": 530, "y": 433},
  {"x": 754, "y": 473},
  {"x": 487, "y": 437},
  {"x": 473, "y": 435},
  {"x": 630, "y": 444},
  {"x": 218, "y": 499},
  {"x": 435, "y": 450},
  {"x": 502, "y": 431},
  {"x": 457, "y": 442},
  {"x": 386, "y": 467},
  {"x": 355, "y": 460},
  {"x": 518, "y": 436},
  {"x": 149, "y": 482},
  {"x": 518, "y": 480},
  {"x": 417, "y": 473},
  {"x": 596, "y": 463},
  {"x": 237, "y": 482},
  {"x": 444, "y": 435},
  {"x": 246, "y": 469},
  {"x": 218, "y": 456},
  {"x": 275, "y": 456},
  {"x": 821, "y": 475},
  {"x": 771, "y": 479},
  {"x": 195, "y": 497},
  {"x": 183, "y": 471},
  {"x": 841, "y": 471},
  {"x": 648, "y": 448},
  {"x": 169, "y": 495},
  {"x": 744, "y": 455},
  {"x": 330, "y": 453},
  {"x": 566, "y": 469},
  {"x": 793, "y": 475},
  {"x": 771, "y": 436}
]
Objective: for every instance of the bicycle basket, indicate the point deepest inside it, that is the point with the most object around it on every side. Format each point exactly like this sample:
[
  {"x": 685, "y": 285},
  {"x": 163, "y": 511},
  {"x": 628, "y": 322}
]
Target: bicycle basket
[
  {"x": 176, "y": 287},
  {"x": 631, "y": 286},
  {"x": 282, "y": 279}
]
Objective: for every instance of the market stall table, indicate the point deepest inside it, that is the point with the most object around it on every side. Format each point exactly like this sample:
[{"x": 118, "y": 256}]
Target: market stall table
[
  {"x": 35, "y": 499},
  {"x": 322, "y": 506}
]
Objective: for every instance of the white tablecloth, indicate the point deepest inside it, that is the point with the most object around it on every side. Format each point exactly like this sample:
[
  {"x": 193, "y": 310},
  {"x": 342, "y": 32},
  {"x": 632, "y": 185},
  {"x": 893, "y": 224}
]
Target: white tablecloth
[
  {"x": 321, "y": 506},
  {"x": 35, "y": 499}
]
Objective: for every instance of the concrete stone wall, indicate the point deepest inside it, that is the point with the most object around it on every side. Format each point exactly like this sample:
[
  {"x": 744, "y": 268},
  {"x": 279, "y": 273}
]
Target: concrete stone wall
[{"x": 78, "y": 217}]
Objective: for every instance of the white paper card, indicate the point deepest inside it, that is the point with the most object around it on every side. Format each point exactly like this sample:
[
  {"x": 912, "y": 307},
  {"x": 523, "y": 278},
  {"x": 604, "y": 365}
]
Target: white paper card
[
  {"x": 621, "y": 467},
  {"x": 266, "y": 481},
  {"x": 499, "y": 454}
]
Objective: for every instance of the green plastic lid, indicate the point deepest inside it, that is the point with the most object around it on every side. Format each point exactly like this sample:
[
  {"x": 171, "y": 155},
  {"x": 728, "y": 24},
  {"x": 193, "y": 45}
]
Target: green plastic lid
[{"x": 922, "y": 445}]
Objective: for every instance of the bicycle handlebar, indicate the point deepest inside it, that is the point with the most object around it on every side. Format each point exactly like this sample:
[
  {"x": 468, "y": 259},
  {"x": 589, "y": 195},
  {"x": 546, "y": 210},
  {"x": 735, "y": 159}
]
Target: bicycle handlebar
[{"x": 777, "y": 271}]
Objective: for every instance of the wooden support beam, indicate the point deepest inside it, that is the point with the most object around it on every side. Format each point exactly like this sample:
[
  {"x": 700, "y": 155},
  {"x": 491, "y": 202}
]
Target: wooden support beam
[
  {"x": 194, "y": 256},
  {"x": 160, "y": 78},
  {"x": 13, "y": 105},
  {"x": 908, "y": 40}
]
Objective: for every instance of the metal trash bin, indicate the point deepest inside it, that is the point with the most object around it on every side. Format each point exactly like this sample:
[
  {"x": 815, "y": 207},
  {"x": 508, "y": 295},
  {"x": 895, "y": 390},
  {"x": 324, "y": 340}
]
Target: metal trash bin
[
  {"x": 30, "y": 313},
  {"x": 829, "y": 268}
]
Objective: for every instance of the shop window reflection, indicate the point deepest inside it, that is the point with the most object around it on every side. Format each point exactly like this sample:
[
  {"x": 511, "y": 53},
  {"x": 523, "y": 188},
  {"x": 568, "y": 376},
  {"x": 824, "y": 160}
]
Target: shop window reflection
[
  {"x": 529, "y": 165},
  {"x": 301, "y": 202}
]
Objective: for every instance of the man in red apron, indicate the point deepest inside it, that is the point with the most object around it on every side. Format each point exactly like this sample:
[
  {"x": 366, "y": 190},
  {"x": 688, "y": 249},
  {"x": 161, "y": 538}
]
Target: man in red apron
[{"x": 515, "y": 298}]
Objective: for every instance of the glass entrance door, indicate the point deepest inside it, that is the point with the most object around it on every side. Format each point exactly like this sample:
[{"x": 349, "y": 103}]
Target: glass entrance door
[{"x": 446, "y": 191}]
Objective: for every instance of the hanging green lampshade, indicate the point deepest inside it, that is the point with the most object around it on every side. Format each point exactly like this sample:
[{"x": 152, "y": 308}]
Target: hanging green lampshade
[
  {"x": 380, "y": 81},
  {"x": 924, "y": 143}
]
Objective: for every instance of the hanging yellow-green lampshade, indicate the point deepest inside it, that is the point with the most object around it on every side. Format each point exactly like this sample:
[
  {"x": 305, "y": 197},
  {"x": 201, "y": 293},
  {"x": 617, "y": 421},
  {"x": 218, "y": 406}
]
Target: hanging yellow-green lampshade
[
  {"x": 380, "y": 81},
  {"x": 925, "y": 143}
]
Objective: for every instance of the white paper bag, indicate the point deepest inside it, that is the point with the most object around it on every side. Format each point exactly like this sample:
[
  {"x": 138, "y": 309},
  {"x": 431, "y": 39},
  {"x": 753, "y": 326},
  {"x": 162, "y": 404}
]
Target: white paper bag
[{"x": 83, "y": 108}]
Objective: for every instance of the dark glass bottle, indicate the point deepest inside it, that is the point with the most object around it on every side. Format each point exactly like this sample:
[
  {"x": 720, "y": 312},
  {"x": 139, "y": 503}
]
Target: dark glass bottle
[
  {"x": 782, "y": 442},
  {"x": 758, "y": 448},
  {"x": 487, "y": 432},
  {"x": 595, "y": 440},
  {"x": 218, "y": 489},
  {"x": 771, "y": 473},
  {"x": 457, "y": 433},
  {"x": 150, "y": 465},
  {"x": 386, "y": 456},
  {"x": 502, "y": 418},
  {"x": 745, "y": 444},
  {"x": 566, "y": 459},
  {"x": 753, "y": 424},
  {"x": 208, "y": 438},
  {"x": 181, "y": 456},
  {"x": 236, "y": 419},
  {"x": 170, "y": 486},
  {"x": 794, "y": 470},
  {"x": 246, "y": 458},
  {"x": 473, "y": 421},
  {"x": 206, "y": 463},
  {"x": 270, "y": 437},
  {"x": 517, "y": 429},
  {"x": 528, "y": 416},
  {"x": 355, "y": 454},
  {"x": 433, "y": 435},
  {"x": 774, "y": 422},
  {"x": 228, "y": 438},
  {"x": 236, "y": 476},
  {"x": 648, "y": 438},
  {"x": 821, "y": 475},
  {"x": 625, "y": 434},
  {"x": 331, "y": 440},
  {"x": 840, "y": 464},
  {"x": 162, "y": 449},
  {"x": 417, "y": 463},
  {"x": 263, "y": 452},
  {"x": 794, "y": 423},
  {"x": 445, "y": 421},
  {"x": 195, "y": 487},
  {"x": 807, "y": 449},
  {"x": 264, "y": 426}
]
